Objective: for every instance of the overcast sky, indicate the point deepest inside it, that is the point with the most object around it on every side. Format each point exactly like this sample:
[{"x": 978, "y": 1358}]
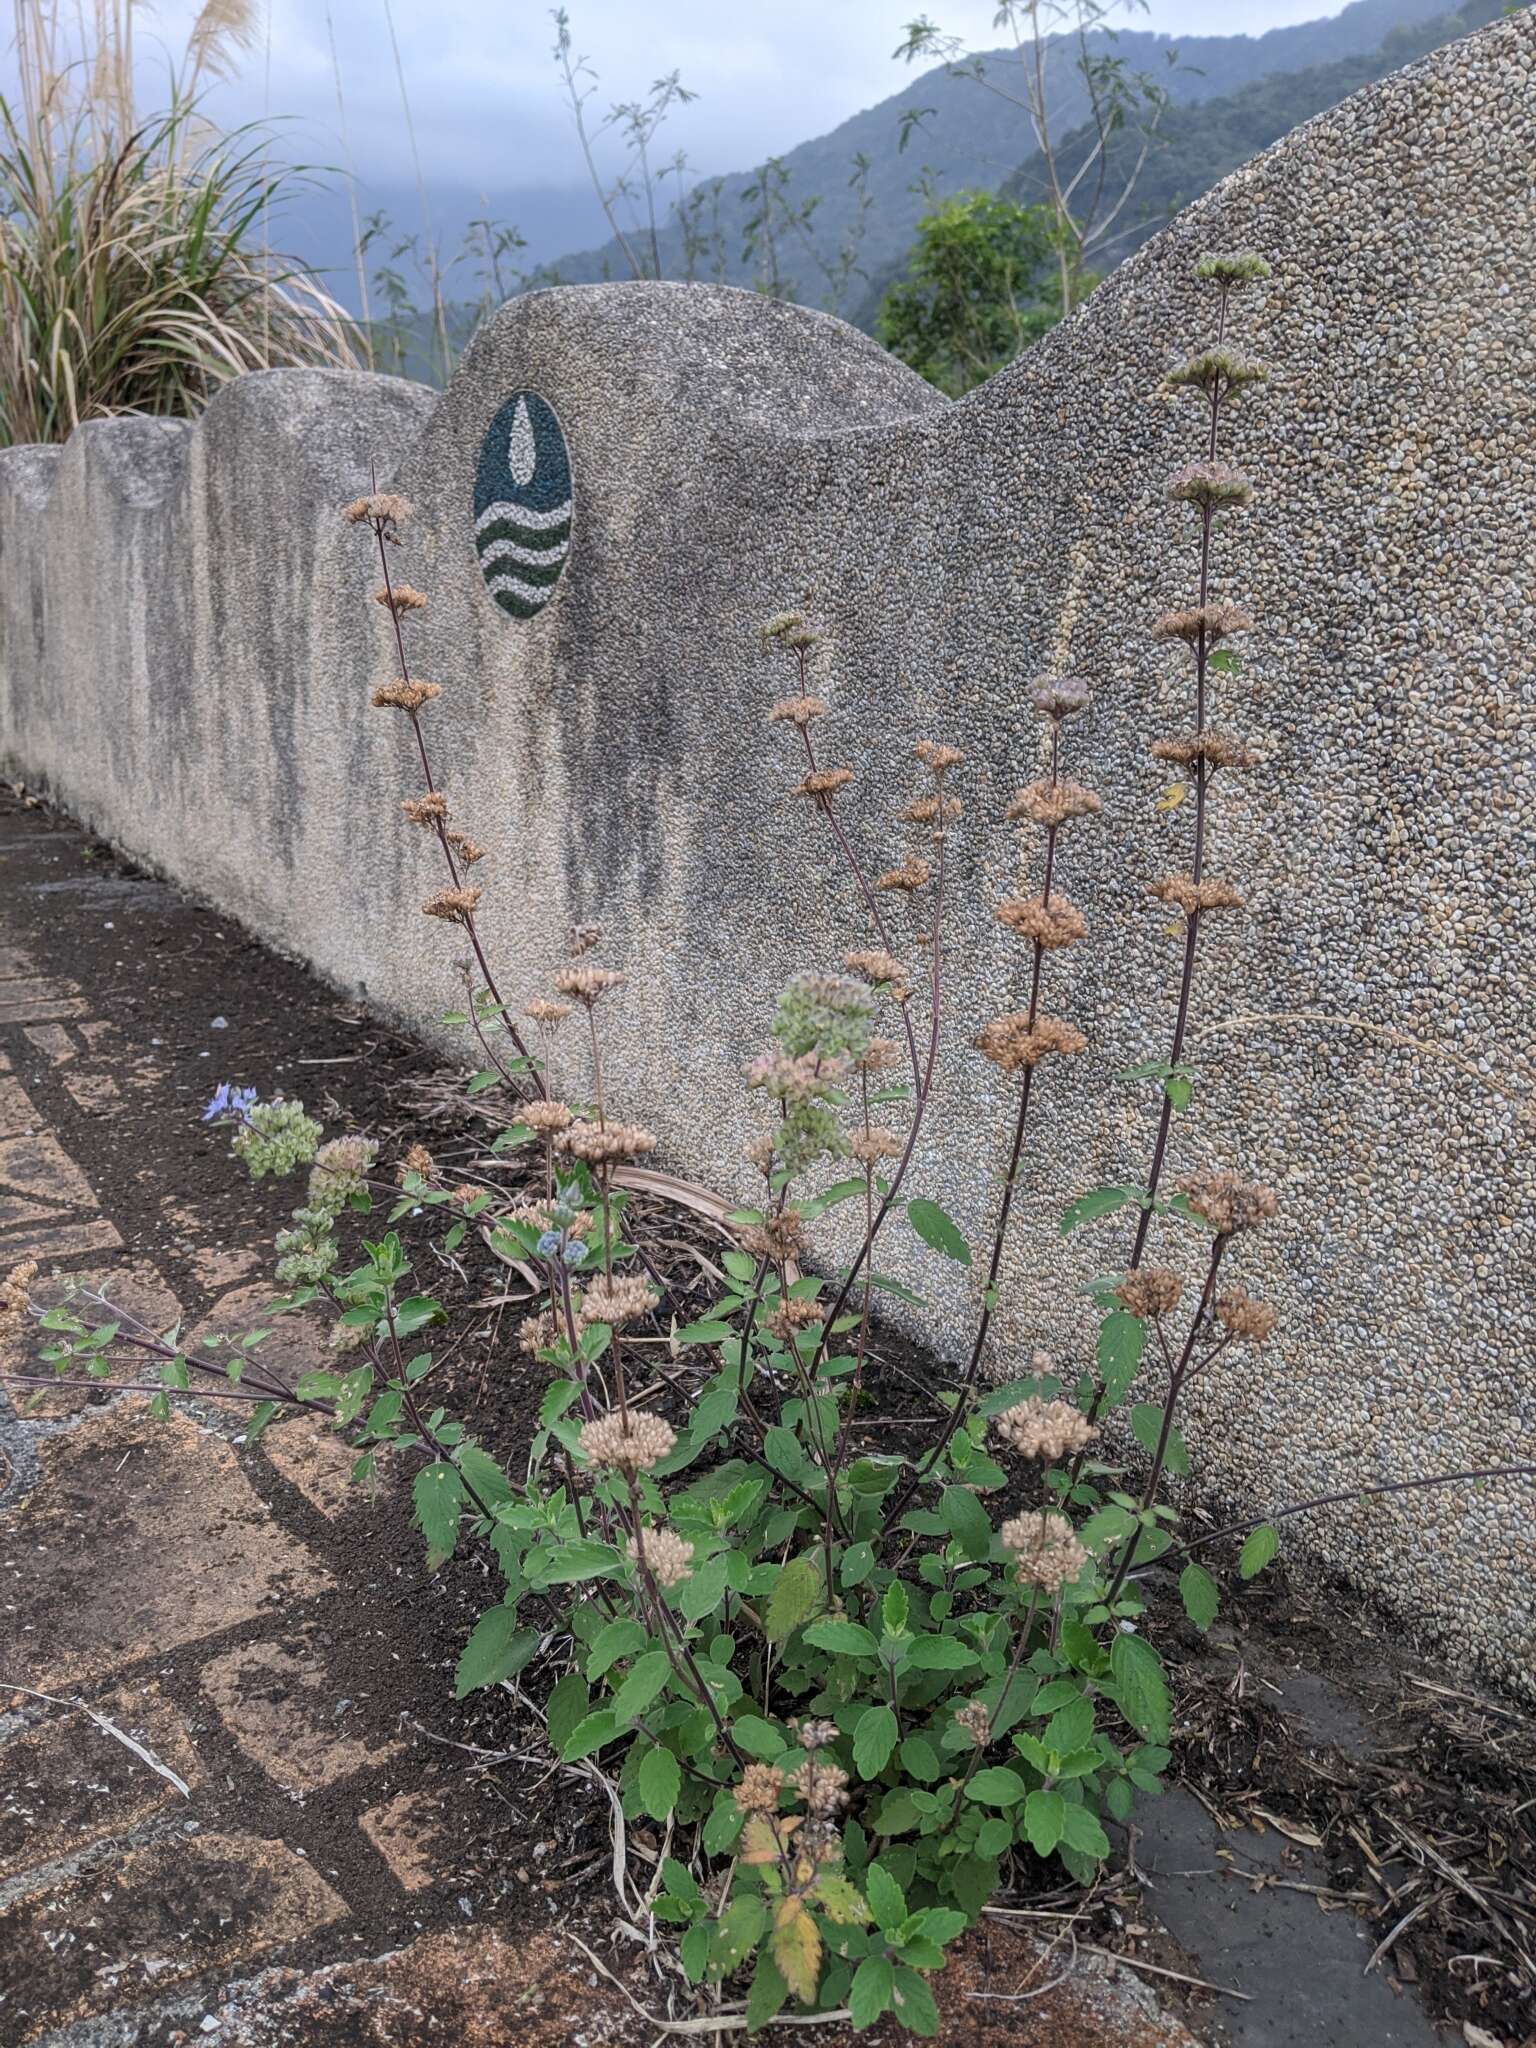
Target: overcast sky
[{"x": 483, "y": 89}]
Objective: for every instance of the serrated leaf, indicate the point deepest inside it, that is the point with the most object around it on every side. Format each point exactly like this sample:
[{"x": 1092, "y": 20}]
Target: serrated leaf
[
  {"x": 597, "y": 1729},
  {"x": 996, "y": 1785},
  {"x": 839, "y": 1899},
  {"x": 703, "y": 1590},
  {"x": 644, "y": 1680},
  {"x": 941, "y": 1653},
  {"x": 1097, "y": 1202},
  {"x": 1122, "y": 1338},
  {"x": 870, "y": 1993},
  {"x": 694, "y": 1950},
  {"x": 912, "y": 2003},
  {"x": 873, "y": 1740},
  {"x": 1141, "y": 1689},
  {"x": 938, "y": 1231},
  {"x": 842, "y": 1639},
  {"x": 1081, "y": 1831},
  {"x": 767, "y": 1993},
  {"x": 483, "y": 1474},
  {"x": 796, "y": 1592},
  {"x": 438, "y": 1493},
  {"x": 795, "y": 1946},
  {"x": 737, "y": 1933},
  {"x": 886, "y": 1899},
  {"x": 967, "y": 1521},
  {"x": 1201, "y": 1597},
  {"x": 1147, "y": 1426},
  {"x": 659, "y": 1780},
  {"x": 614, "y": 1640},
  {"x": 496, "y": 1649},
  {"x": 894, "y": 1609},
  {"x": 1259, "y": 1547},
  {"x": 758, "y": 1737},
  {"x": 1044, "y": 1818}
]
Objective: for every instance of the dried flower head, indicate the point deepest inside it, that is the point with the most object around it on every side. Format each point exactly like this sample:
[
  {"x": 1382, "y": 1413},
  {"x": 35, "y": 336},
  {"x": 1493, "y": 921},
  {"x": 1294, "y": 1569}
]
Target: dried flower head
[
  {"x": 1245, "y": 1317},
  {"x": 1217, "y": 369},
  {"x": 400, "y": 598},
  {"x": 588, "y": 985},
  {"x": 399, "y": 695},
  {"x": 820, "y": 1783},
  {"x": 606, "y": 1144},
  {"x": 781, "y": 626},
  {"x": 536, "y": 1333},
  {"x": 467, "y": 849},
  {"x": 454, "y": 906},
  {"x": 1059, "y": 697},
  {"x": 879, "y": 1057},
  {"x": 798, "y": 711},
  {"x": 794, "y": 1314},
  {"x": 1230, "y": 267},
  {"x": 1189, "y": 895},
  {"x": 617, "y": 1302},
  {"x": 1215, "y": 621},
  {"x": 758, "y": 1791},
  {"x": 1053, "y": 803},
  {"x": 932, "y": 810},
  {"x": 869, "y": 1147},
  {"x": 1212, "y": 485},
  {"x": 667, "y": 1556},
  {"x": 912, "y": 874},
  {"x": 759, "y": 1152},
  {"x": 807, "y": 1077},
  {"x": 430, "y": 809},
  {"x": 976, "y": 1720},
  {"x": 547, "y": 1116},
  {"x": 1047, "y": 1430},
  {"x": 1219, "y": 749},
  {"x": 547, "y": 1015},
  {"x": 582, "y": 939},
  {"x": 1012, "y": 1042},
  {"x": 1228, "y": 1202},
  {"x": 379, "y": 508},
  {"x": 340, "y": 1167},
  {"x": 1150, "y": 1291},
  {"x": 418, "y": 1160},
  {"x": 935, "y": 755},
  {"x": 629, "y": 1443},
  {"x": 815, "y": 1734},
  {"x": 823, "y": 782},
  {"x": 1049, "y": 1554},
  {"x": 778, "y": 1237},
  {"x": 882, "y": 968},
  {"x": 16, "y": 1292},
  {"x": 1053, "y": 922}
]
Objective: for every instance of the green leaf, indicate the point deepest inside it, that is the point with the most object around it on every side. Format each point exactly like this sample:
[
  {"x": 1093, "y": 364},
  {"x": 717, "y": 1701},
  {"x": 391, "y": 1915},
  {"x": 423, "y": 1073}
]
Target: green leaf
[
  {"x": 659, "y": 1781},
  {"x": 496, "y": 1649},
  {"x": 768, "y": 1992},
  {"x": 912, "y": 2003},
  {"x": 703, "y": 1590},
  {"x": 597, "y": 1729},
  {"x": 694, "y": 1949},
  {"x": 1259, "y": 1548},
  {"x": 873, "y": 1740},
  {"x": 1147, "y": 1426},
  {"x": 796, "y": 1591},
  {"x": 1198, "y": 1591},
  {"x": 919, "y": 1759},
  {"x": 996, "y": 1785},
  {"x": 967, "y": 1521},
  {"x": 438, "y": 1493},
  {"x": 647, "y": 1675},
  {"x": 758, "y": 1737},
  {"x": 569, "y": 1705},
  {"x": 1045, "y": 1816},
  {"x": 842, "y": 1638},
  {"x": 614, "y": 1640},
  {"x": 1081, "y": 1831},
  {"x": 1141, "y": 1690},
  {"x": 483, "y": 1474},
  {"x": 893, "y": 1609},
  {"x": 886, "y": 1899},
  {"x": 937, "y": 1230},
  {"x": 940, "y": 1653},
  {"x": 1097, "y": 1202},
  {"x": 1122, "y": 1338},
  {"x": 568, "y": 1562},
  {"x": 858, "y": 1562},
  {"x": 870, "y": 1993}
]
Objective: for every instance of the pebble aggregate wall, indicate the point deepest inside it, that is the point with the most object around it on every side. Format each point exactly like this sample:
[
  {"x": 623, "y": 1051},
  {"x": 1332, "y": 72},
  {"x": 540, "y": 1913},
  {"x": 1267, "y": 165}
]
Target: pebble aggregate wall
[{"x": 188, "y": 649}]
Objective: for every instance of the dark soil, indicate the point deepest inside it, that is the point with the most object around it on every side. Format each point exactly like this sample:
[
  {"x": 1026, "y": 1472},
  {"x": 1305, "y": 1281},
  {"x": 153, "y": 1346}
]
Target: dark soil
[{"x": 1418, "y": 1787}]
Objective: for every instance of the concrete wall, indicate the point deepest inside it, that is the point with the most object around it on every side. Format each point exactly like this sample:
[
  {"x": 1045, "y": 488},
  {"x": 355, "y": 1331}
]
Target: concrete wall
[{"x": 188, "y": 650}]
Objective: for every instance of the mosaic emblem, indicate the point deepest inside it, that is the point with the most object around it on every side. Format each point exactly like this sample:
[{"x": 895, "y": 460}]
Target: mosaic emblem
[{"x": 523, "y": 505}]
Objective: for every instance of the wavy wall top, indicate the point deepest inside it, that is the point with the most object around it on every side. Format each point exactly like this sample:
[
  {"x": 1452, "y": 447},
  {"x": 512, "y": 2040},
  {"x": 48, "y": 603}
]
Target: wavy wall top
[{"x": 188, "y": 649}]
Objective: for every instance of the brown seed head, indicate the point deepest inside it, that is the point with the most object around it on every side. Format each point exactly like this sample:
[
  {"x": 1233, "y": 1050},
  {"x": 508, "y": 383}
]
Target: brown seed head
[
  {"x": 401, "y": 598},
  {"x": 617, "y": 1302},
  {"x": 932, "y": 810},
  {"x": 878, "y": 1057},
  {"x": 606, "y": 1144},
  {"x": 816, "y": 1734},
  {"x": 547, "y": 1015},
  {"x": 912, "y": 874},
  {"x": 379, "y": 508},
  {"x": 1048, "y": 1552},
  {"x": 938, "y": 757},
  {"x": 1052, "y": 803},
  {"x": 583, "y": 938},
  {"x": 1221, "y": 749},
  {"x": 666, "y": 1555},
  {"x": 869, "y": 1147},
  {"x": 823, "y": 782},
  {"x": 16, "y": 1292},
  {"x": 1150, "y": 1291},
  {"x": 536, "y": 1333},
  {"x": 975, "y": 1719},
  {"x": 1059, "y": 697},
  {"x": 820, "y": 1783},
  {"x": 1246, "y": 1318},
  {"x": 778, "y": 1237},
  {"x": 400, "y": 695},
  {"x": 430, "y": 809},
  {"x": 798, "y": 711},
  {"x": 588, "y": 985},
  {"x": 454, "y": 906},
  {"x": 1214, "y": 484},
  {"x": 880, "y": 967},
  {"x": 758, "y": 1791},
  {"x": 793, "y": 1315},
  {"x": 417, "y": 1160},
  {"x": 466, "y": 848},
  {"x": 547, "y": 1117},
  {"x": 1189, "y": 895},
  {"x": 1047, "y": 1430},
  {"x": 1054, "y": 923},
  {"x": 644, "y": 1442},
  {"x": 1228, "y": 1202},
  {"x": 1010, "y": 1042},
  {"x": 1216, "y": 621}
]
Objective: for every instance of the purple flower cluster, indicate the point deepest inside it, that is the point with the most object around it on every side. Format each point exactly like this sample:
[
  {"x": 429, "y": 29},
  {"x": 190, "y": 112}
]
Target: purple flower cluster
[{"x": 229, "y": 1101}]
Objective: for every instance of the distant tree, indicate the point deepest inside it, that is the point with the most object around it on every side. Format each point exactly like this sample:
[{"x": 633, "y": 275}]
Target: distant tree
[{"x": 980, "y": 286}]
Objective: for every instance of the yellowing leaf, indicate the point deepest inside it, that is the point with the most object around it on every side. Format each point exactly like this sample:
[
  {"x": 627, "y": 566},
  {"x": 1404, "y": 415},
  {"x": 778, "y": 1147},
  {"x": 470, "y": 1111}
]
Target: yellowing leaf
[
  {"x": 760, "y": 1844},
  {"x": 1172, "y": 797},
  {"x": 795, "y": 1946}
]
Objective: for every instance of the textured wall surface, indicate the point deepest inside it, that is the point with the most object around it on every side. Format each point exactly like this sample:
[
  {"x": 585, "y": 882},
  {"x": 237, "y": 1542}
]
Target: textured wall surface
[{"x": 188, "y": 650}]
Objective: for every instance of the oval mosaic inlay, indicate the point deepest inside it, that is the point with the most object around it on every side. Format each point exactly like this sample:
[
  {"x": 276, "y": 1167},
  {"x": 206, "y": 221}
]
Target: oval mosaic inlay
[{"x": 523, "y": 505}]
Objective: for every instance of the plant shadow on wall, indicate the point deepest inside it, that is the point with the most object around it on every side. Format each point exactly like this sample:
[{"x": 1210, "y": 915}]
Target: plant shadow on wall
[{"x": 860, "y": 1700}]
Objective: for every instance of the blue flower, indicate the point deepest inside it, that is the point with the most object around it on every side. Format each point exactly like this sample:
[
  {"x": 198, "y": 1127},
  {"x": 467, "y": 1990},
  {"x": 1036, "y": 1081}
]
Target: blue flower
[
  {"x": 549, "y": 1244},
  {"x": 575, "y": 1251},
  {"x": 229, "y": 1101}
]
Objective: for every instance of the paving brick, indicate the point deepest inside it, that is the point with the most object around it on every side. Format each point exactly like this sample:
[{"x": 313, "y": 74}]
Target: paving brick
[
  {"x": 34, "y": 1002},
  {"x": 136, "y": 1288},
  {"x": 284, "y": 1710},
  {"x": 14, "y": 963},
  {"x": 16, "y": 1112},
  {"x": 66, "y": 1783},
  {"x": 37, "y": 1166},
  {"x": 60, "y": 1241},
  {"x": 53, "y": 1042},
  {"x": 96, "y": 1094},
  {"x": 413, "y": 1835},
  {"x": 192, "y": 1547},
  {"x": 297, "y": 1343},
  {"x": 113, "y": 1938}
]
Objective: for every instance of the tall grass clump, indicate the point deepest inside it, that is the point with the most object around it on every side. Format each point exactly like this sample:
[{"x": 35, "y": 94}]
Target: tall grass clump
[{"x": 134, "y": 272}]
